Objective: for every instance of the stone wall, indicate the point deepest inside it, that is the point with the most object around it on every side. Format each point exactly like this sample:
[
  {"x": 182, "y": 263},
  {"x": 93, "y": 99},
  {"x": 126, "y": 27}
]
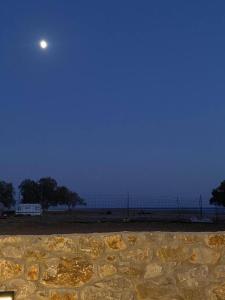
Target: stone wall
[{"x": 121, "y": 266}]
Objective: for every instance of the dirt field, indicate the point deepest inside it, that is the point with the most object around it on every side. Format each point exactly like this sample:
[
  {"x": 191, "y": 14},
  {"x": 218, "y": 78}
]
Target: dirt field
[{"x": 60, "y": 223}]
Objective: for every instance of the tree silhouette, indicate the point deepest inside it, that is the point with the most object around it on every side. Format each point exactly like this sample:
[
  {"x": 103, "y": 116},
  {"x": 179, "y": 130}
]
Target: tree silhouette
[
  {"x": 218, "y": 195},
  {"x": 47, "y": 192},
  {"x": 64, "y": 196},
  {"x": 29, "y": 191},
  {"x": 47, "y": 189},
  {"x": 6, "y": 194}
]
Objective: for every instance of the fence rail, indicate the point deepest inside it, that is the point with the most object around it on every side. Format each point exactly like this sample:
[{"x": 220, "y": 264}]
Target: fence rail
[{"x": 112, "y": 207}]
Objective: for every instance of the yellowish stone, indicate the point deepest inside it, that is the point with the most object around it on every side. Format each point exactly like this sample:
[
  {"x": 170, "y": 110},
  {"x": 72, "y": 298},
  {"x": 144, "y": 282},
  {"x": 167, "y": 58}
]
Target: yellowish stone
[
  {"x": 59, "y": 243},
  {"x": 220, "y": 271},
  {"x": 63, "y": 295},
  {"x": 9, "y": 269},
  {"x": 153, "y": 270},
  {"x": 216, "y": 240},
  {"x": 94, "y": 293},
  {"x": 192, "y": 278},
  {"x": 154, "y": 291},
  {"x": 35, "y": 254},
  {"x": 12, "y": 251},
  {"x": 33, "y": 272},
  {"x": 12, "y": 240},
  {"x": 24, "y": 289},
  {"x": 176, "y": 254},
  {"x": 202, "y": 255},
  {"x": 111, "y": 258},
  {"x": 133, "y": 270},
  {"x": 93, "y": 247},
  {"x": 68, "y": 273},
  {"x": 115, "y": 242},
  {"x": 219, "y": 292},
  {"x": 137, "y": 254},
  {"x": 107, "y": 270},
  {"x": 132, "y": 239}
]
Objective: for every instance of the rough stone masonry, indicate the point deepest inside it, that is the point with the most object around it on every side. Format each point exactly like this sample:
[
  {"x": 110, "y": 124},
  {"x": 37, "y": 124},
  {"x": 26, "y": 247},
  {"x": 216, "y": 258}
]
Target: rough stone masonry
[{"x": 120, "y": 266}]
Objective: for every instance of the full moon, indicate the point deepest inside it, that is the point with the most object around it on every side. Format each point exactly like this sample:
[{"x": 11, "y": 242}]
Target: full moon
[{"x": 43, "y": 44}]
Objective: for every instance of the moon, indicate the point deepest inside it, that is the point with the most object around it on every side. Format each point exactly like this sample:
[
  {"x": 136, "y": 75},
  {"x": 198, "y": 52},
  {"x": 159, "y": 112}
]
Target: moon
[{"x": 43, "y": 44}]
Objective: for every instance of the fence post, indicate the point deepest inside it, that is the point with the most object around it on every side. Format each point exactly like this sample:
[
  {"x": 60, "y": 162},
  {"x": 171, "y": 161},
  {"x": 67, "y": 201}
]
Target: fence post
[
  {"x": 178, "y": 207},
  {"x": 200, "y": 206},
  {"x": 216, "y": 212},
  {"x": 128, "y": 205}
]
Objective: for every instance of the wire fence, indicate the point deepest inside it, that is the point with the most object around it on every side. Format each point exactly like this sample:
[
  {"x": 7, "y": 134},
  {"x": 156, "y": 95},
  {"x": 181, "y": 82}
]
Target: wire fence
[{"x": 133, "y": 207}]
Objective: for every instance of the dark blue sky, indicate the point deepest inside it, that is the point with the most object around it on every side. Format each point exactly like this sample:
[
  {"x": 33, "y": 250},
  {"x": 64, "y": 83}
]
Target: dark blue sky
[{"x": 128, "y": 97}]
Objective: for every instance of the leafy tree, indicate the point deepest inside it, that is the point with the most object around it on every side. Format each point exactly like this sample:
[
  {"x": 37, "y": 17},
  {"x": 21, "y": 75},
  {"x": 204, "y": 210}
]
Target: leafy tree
[
  {"x": 75, "y": 199},
  {"x": 7, "y": 194},
  {"x": 61, "y": 195},
  {"x": 29, "y": 191},
  {"x": 47, "y": 188},
  {"x": 64, "y": 196},
  {"x": 47, "y": 192},
  {"x": 218, "y": 195}
]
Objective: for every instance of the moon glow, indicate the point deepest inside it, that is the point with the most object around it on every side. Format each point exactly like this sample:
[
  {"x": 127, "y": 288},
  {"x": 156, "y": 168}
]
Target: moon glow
[{"x": 43, "y": 44}]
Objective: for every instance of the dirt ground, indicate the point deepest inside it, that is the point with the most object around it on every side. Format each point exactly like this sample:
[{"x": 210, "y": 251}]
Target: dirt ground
[{"x": 69, "y": 223}]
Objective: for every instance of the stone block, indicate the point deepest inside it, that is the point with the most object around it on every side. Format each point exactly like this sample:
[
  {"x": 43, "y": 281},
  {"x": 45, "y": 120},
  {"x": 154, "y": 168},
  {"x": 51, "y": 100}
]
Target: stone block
[
  {"x": 10, "y": 269},
  {"x": 115, "y": 242},
  {"x": 68, "y": 273},
  {"x": 13, "y": 251},
  {"x": 91, "y": 246},
  {"x": 24, "y": 289},
  {"x": 32, "y": 272},
  {"x": 152, "y": 270},
  {"x": 203, "y": 255},
  {"x": 107, "y": 270},
  {"x": 63, "y": 295}
]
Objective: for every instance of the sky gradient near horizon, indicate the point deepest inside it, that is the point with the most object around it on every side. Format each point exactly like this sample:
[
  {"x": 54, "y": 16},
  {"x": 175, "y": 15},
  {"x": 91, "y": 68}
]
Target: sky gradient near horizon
[{"x": 129, "y": 96}]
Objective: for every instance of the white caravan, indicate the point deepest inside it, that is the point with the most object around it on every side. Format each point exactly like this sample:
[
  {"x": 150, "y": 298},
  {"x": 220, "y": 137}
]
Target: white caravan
[{"x": 29, "y": 209}]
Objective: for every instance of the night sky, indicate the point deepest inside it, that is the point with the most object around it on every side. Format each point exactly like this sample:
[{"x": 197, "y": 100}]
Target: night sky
[{"x": 129, "y": 96}]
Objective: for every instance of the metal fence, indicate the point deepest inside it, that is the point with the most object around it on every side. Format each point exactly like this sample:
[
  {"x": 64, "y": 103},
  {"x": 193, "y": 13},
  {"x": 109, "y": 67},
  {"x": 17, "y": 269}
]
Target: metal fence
[{"x": 133, "y": 207}]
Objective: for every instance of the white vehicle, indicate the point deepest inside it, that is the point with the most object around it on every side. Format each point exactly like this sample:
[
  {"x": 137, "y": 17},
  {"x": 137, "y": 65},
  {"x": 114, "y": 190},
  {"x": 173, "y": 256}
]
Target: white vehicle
[{"x": 30, "y": 209}]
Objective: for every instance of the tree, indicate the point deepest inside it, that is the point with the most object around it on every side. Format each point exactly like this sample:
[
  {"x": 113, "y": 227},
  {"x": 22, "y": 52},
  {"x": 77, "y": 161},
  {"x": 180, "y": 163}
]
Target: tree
[
  {"x": 218, "y": 195},
  {"x": 75, "y": 199},
  {"x": 29, "y": 191},
  {"x": 47, "y": 188},
  {"x": 47, "y": 192},
  {"x": 64, "y": 196},
  {"x": 7, "y": 194}
]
